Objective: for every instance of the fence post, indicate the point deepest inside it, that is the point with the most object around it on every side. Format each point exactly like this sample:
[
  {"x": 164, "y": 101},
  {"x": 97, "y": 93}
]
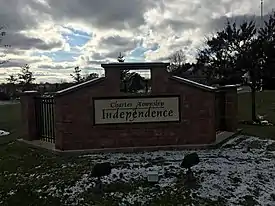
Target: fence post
[{"x": 27, "y": 100}]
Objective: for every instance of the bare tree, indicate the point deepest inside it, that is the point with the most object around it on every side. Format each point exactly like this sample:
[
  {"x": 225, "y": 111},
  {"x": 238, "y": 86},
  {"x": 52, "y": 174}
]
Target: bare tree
[
  {"x": 91, "y": 76},
  {"x": 11, "y": 84},
  {"x": 177, "y": 60},
  {"x": 2, "y": 35}
]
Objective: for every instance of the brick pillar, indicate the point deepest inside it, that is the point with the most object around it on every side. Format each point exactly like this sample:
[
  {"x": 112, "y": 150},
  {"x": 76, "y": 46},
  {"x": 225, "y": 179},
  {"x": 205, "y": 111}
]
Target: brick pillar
[
  {"x": 28, "y": 115},
  {"x": 58, "y": 124},
  {"x": 159, "y": 78},
  {"x": 231, "y": 108},
  {"x": 112, "y": 74}
]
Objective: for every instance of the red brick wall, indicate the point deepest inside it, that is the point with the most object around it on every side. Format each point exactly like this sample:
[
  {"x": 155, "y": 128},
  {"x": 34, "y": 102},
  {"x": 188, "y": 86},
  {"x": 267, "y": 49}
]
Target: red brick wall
[
  {"x": 197, "y": 113},
  {"x": 75, "y": 129},
  {"x": 28, "y": 115},
  {"x": 231, "y": 109}
]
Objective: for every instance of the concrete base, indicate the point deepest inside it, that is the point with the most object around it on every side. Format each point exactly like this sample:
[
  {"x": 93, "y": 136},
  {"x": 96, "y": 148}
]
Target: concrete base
[
  {"x": 39, "y": 144},
  {"x": 221, "y": 138}
]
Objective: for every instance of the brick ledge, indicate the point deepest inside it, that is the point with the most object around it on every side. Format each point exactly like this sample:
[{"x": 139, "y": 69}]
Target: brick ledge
[{"x": 221, "y": 138}]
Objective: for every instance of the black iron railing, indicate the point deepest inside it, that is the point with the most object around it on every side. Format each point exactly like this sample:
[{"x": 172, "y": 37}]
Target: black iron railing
[{"x": 44, "y": 111}]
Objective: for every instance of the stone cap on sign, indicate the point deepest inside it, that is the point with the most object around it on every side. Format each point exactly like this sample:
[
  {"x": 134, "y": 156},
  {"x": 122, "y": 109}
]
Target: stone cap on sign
[
  {"x": 136, "y": 65},
  {"x": 233, "y": 86},
  {"x": 29, "y": 93},
  {"x": 194, "y": 84},
  {"x": 78, "y": 86},
  {"x": 205, "y": 87}
]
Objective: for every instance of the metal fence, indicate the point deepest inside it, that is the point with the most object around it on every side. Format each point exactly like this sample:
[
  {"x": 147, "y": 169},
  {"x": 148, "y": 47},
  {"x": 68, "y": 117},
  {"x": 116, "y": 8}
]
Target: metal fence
[{"x": 44, "y": 108}]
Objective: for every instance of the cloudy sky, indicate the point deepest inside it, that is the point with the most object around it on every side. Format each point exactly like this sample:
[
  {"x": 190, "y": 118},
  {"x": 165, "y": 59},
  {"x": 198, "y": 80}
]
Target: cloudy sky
[{"x": 54, "y": 36}]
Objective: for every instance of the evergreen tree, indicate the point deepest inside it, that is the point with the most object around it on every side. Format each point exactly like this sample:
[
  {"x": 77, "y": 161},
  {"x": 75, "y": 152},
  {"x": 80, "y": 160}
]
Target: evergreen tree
[
  {"x": 77, "y": 75},
  {"x": 26, "y": 77}
]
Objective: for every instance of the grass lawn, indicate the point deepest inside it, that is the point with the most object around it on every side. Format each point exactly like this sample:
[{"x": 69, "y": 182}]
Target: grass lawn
[
  {"x": 265, "y": 106},
  {"x": 10, "y": 120},
  {"x": 242, "y": 173}
]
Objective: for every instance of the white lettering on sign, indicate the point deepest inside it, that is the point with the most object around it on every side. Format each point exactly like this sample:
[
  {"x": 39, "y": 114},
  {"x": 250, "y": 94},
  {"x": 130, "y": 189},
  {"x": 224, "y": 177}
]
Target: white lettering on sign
[{"x": 133, "y": 110}]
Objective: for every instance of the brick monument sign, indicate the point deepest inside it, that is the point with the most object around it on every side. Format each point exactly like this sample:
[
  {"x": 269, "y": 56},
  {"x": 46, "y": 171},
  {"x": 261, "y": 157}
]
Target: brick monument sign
[{"x": 97, "y": 115}]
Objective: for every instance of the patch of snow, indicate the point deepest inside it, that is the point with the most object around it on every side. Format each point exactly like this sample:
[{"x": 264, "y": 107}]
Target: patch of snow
[
  {"x": 3, "y": 133},
  {"x": 81, "y": 186},
  {"x": 238, "y": 173},
  {"x": 241, "y": 167},
  {"x": 230, "y": 173},
  {"x": 11, "y": 192}
]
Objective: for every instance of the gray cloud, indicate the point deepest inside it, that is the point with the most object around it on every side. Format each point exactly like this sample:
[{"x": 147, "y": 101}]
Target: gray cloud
[
  {"x": 102, "y": 14},
  {"x": 13, "y": 17},
  {"x": 196, "y": 17},
  {"x": 95, "y": 62},
  {"x": 118, "y": 44},
  {"x": 220, "y": 23},
  {"x": 54, "y": 67},
  {"x": 10, "y": 50},
  {"x": 17, "y": 16},
  {"x": 114, "y": 45},
  {"x": 179, "y": 24},
  {"x": 97, "y": 56},
  {"x": 113, "y": 54},
  {"x": 115, "y": 41},
  {"x": 14, "y": 63},
  {"x": 184, "y": 45},
  {"x": 163, "y": 59},
  {"x": 18, "y": 62},
  {"x": 22, "y": 42}
]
